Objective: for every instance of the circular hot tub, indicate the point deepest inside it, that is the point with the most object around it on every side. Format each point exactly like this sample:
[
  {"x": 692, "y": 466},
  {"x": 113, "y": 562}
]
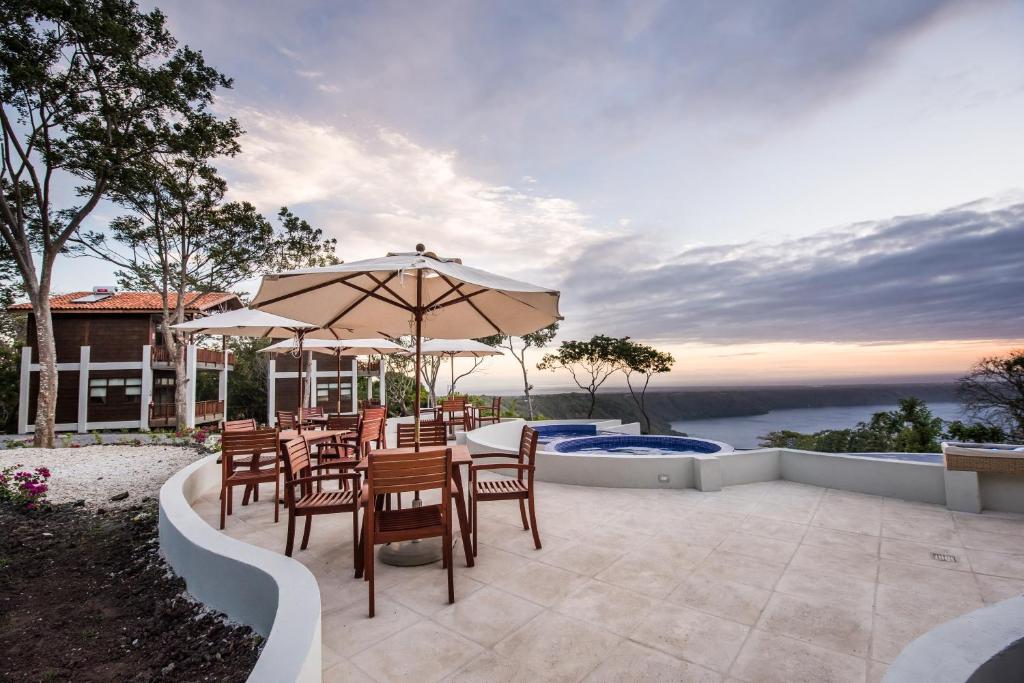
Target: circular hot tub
[{"x": 639, "y": 445}]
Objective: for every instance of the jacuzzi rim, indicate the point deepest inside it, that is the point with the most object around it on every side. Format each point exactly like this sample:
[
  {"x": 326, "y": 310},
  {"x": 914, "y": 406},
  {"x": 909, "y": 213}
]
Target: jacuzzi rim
[{"x": 723, "y": 448}]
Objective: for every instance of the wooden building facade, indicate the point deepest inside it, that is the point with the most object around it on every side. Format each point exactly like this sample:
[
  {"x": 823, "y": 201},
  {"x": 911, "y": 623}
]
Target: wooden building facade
[
  {"x": 283, "y": 383},
  {"x": 113, "y": 368}
]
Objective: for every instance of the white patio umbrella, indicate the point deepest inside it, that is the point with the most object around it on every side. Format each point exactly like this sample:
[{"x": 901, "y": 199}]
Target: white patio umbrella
[
  {"x": 340, "y": 348},
  {"x": 245, "y": 322},
  {"x": 415, "y": 293},
  {"x": 458, "y": 348}
]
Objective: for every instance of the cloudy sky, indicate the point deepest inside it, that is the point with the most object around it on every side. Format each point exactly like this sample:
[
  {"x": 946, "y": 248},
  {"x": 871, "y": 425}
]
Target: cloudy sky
[{"x": 776, "y": 191}]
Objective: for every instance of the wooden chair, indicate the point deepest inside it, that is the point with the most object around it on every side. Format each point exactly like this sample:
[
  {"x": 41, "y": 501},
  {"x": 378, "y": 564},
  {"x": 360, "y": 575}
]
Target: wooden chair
[
  {"x": 369, "y": 403},
  {"x": 346, "y": 454},
  {"x": 381, "y": 414},
  {"x": 312, "y": 417},
  {"x": 431, "y": 434},
  {"x": 304, "y": 500},
  {"x": 286, "y": 420},
  {"x": 507, "y": 488},
  {"x": 454, "y": 411},
  {"x": 245, "y": 425},
  {"x": 490, "y": 415},
  {"x": 334, "y": 447},
  {"x": 259, "y": 467},
  {"x": 396, "y": 473}
]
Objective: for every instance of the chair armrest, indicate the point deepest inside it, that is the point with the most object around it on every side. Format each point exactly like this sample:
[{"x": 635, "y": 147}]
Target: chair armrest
[
  {"x": 354, "y": 476},
  {"x": 329, "y": 465},
  {"x": 501, "y": 466},
  {"x": 514, "y": 456}
]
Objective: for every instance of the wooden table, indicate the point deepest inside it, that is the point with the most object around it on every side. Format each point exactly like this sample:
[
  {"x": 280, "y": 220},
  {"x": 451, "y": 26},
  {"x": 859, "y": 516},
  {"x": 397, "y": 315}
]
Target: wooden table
[
  {"x": 313, "y": 436},
  {"x": 460, "y": 457}
]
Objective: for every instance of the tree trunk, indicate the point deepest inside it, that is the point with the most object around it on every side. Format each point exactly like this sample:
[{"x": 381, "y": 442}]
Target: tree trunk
[
  {"x": 176, "y": 353},
  {"x": 526, "y": 390},
  {"x": 593, "y": 401},
  {"x": 46, "y": 402}
]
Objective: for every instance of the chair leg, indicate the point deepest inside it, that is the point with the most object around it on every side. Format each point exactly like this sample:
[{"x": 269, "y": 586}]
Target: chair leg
[
  {"x": 305, "y": 532},
  {"x": 474, "y": 521},
  {"x": 245, "y": 496},
  {"x": 255, "y": 493},
  {"x": 355, "y": 540},
  {"x": 368, "y": 569},
  {"x": 230, "y": 493},
  {"x": 533, "y": 522},
  {"x": 522, "y": 513},
  {"x": 277, "y": 497},
  {"x": 223, "y": 504},
  {"x": 291, "y": 534},
  {"x": 451, "y": 563}
]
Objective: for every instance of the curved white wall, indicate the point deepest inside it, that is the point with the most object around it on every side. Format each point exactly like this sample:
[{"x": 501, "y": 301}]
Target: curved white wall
[{"x": 275, "y": 595}]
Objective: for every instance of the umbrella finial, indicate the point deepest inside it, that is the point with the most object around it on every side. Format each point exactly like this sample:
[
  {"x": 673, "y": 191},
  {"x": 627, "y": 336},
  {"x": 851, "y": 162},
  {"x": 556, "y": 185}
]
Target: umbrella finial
[{"x": 420, "y": 248}]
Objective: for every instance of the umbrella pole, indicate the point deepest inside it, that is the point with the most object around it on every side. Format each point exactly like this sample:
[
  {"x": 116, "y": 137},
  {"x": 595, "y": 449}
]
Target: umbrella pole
[
  {"x": 338, "y": 352},
  {"x": 419, "y": 356},
  {"x": 302, "y": 384},
  {"x": 451, "y": 391}
]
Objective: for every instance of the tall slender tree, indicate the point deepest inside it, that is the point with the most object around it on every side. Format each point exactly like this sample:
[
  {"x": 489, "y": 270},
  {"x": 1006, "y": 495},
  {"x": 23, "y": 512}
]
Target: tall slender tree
[
  {"x": 88, "y": 88},
  {"x": 590, "y": 363},
  {"x": 518, "y": 349},
  {"x": 640, "y": 363}
]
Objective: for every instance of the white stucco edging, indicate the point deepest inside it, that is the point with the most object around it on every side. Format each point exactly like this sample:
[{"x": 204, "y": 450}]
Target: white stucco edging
[{"x": 275, "y": 595}]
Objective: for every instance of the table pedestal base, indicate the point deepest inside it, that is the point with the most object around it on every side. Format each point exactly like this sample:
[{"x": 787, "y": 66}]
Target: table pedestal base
[{"x": 411, "y": 553}]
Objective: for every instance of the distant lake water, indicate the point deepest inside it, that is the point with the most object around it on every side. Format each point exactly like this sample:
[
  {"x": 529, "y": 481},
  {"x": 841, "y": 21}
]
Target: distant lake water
[{"x": 743, "y": 432}]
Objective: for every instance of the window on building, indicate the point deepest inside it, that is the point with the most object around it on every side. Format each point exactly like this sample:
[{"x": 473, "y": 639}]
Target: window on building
[
  {"x": 324, "y": 389},
  {"x": 115, "y": 389},
  {"x": 97, "y": 391}
]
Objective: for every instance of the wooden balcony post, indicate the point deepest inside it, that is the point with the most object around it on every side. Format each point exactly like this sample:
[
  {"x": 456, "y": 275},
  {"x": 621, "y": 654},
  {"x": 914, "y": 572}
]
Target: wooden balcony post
[{"x": 146, "y": 392}]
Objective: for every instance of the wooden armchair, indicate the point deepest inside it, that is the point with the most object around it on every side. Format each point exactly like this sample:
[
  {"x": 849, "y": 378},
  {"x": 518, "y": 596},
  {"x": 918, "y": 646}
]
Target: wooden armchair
[
  {"x": 396, "y": 473},
  {"x": 507, "y": 488},
  {"x": 312, "y": 416},
  {"x": 249, "y": 458},
  {"x": 454, "y": 411},
  {"x": 431, "y": 434},
  {"x": 490, "y": 415},
  {"x": 286, "y": 420},
  {"x": 245, "y": 425},
  {"x": 381, "y": 414},
  {"x": 343, "y": 455},
  {"x": 305, "y": 500},
  {"x": 333, "y": 448}
]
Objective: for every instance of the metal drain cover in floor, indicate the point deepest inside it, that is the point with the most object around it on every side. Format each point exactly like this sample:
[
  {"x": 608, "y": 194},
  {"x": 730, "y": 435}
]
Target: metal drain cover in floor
[{"x": 944, "y": 557}]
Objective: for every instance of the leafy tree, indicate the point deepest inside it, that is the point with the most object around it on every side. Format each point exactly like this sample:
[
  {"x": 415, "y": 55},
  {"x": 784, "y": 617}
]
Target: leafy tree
[
  {"x": 910, "y": 428},
  {"x": 641, "y": 362},
  {"x": 974, "y": 433},
  {"x": 590, "y": 363},
  {"x": 247, "y": 382},
  {"x": 993, "y": 392},
  {"x": 88, "y": 89},
  {"x": 431, "y": 370},
  {"x": 181, "y": 237},
  {"x": 538, "y": 340}
]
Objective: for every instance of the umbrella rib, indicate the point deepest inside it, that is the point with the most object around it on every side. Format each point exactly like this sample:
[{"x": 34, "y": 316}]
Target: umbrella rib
[
  {"x": 366, "y": 294},
  {"x": 399, "y": 301},
  {"x": 466, "y": 298},
  {"x": 306, "y": 290}
]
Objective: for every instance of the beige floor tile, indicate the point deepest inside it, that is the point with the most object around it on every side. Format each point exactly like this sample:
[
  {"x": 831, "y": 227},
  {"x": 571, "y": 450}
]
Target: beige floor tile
[
  {"x": 639, "y": 572},
  {"x": 603, "y": 604},
  {"x": 583, "y": 558},
  {"x": 935, "y": 606},
  {"x": 490, "y": 667},
  {"x": 833, "y": 538},
  {"x": 522, "y": 543},
  {"x": 769, "y": 658},
  {"x": 876, "y": 671},
  {"x": 676, "y": 554},
  {"x": 349, "y": 630},
  {"x": 562, "y": 647},
  {"x": 818, "y": 623},
  {"x": 996, "y": 543},
  {"x": 760, "y": 547},
  {"x": 488, "y": 615},
  {"x": 997, "y": 564},
  {"x": 848, "y": 520},
  {"x": 838, "y": 561},
  {"x": 489, "y": 565},
  {"x": 892, "y": 633},
  {"x": 841, "y": 591},
  {"x": 924, "y": 554},
  {"x": 427, "y": 593},
  {"x": 990, "y": 522},
  {"x": 741, "y": 569},
  {"x": 541, "y": 583},
  {"x": 997, "y": 588},
  {"x": 921, "y": 530},
  {"x": 783, "y": 512},
  {"x": 343, "y": 672},
  {"x": 773, "y": 528},
  {"x": 928, "y": 580},
  {"x": 630, "y": 662},
  {"x": 429, "y": 653},
  {"x": 725, "y": 599},
  {"x": 691, "y": 635}
]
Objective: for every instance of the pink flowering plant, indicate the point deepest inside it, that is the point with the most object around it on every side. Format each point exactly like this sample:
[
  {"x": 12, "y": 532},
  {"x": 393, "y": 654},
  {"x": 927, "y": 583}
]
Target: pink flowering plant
[{"x": 24, "y": 488}]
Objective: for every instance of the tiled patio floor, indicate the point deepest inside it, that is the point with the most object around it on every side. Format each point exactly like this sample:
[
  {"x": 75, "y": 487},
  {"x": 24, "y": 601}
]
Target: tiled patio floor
[{"x": 773, "y": 581}]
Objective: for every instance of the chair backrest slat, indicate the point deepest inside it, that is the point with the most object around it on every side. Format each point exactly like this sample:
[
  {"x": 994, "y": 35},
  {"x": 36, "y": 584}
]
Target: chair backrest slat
[
  {"x": 349, "y": 422},
  {"x": 248, "y": 424},
  {"x": 528, "y": 450},
  {"x": 242, "y": 444},
  {"x": 297, "y": 465},
  {"x": 400, "y": 472},
  {"x": 285, "y": 419}
]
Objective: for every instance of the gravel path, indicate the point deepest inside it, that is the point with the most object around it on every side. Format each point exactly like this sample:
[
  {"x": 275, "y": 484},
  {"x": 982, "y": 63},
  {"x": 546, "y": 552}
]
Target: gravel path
[{"x": 96, "y": 473}]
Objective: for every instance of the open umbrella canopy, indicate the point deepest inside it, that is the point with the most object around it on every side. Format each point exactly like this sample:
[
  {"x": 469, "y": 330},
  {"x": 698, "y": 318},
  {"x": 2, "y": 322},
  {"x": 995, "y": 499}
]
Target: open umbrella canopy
[
  {"x": 245, "y": 322},
  {"x": 339, "y": 347},
  {"x": 458, "y": 348},
  {"x": 388, "y": 294}
]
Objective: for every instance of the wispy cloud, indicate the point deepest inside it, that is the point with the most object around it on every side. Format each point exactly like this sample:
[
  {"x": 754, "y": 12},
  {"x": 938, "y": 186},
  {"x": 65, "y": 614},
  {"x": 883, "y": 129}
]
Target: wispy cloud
[
  {"x": 956, "y": 274},
  {"x": 380, "y": 190}
]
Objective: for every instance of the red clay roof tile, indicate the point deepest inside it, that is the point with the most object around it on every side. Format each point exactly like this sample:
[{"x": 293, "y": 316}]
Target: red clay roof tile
[{"x": 131, "y": 301}]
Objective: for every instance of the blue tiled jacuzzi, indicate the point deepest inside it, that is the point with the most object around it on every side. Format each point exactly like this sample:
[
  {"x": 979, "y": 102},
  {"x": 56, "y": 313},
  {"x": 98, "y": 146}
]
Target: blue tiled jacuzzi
[{"x": 630, "y": 444}]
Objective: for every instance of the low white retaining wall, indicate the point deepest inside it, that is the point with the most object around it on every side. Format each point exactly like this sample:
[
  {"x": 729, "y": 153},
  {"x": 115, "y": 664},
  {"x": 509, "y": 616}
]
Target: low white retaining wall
[
  {"x": 923, "y": 482},
  {"x": 275, "y": 595}
]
